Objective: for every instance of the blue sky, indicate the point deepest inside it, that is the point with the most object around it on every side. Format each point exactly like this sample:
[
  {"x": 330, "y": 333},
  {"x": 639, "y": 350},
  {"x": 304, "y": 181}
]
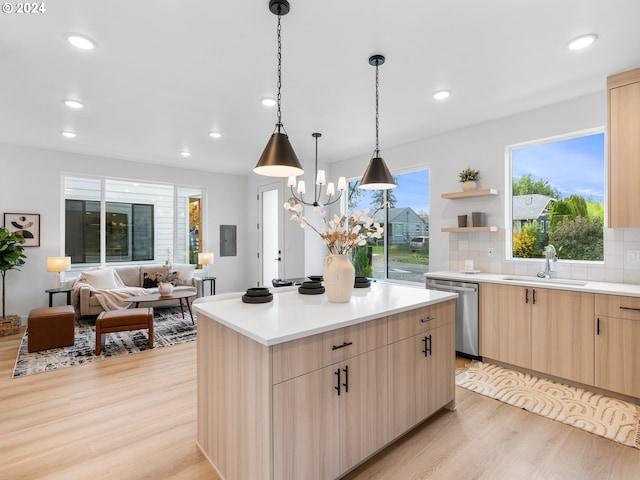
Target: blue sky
[
  {"x": 412, "y": 191},
  {"x": 573, "y": 166}
]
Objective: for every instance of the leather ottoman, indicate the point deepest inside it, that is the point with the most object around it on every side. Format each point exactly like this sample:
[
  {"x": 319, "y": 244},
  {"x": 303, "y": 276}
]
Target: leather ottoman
[
  {"x": 50, "y": 327},
  {"x": 124, "y": 320}
]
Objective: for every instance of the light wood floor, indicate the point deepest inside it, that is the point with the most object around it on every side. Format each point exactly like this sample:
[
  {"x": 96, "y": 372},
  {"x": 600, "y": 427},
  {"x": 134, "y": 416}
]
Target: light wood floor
[{"x": 134, "y": 417}]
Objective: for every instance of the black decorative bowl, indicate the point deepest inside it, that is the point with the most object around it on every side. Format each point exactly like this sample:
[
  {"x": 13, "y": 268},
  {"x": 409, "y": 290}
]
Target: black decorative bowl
[
  {"x": 260, "y": 299},
  {"x": 311, "y": 291},
  {"x": 361, "y": 282},
  {"x": 311, "y": 285},
  {"x": 315, "y": 278},
  {"x": 257, "y": 292}
]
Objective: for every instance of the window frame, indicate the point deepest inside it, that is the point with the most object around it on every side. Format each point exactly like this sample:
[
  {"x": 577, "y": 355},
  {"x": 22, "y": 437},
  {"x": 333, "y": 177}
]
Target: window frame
[{"x": 508, "y": 207}]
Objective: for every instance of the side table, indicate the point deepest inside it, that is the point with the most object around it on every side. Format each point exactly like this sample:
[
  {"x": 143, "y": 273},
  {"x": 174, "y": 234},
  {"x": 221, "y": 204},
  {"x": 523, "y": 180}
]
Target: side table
[
  {"x": 53, "y": 291},
  {"x": 212, "y": 284}
]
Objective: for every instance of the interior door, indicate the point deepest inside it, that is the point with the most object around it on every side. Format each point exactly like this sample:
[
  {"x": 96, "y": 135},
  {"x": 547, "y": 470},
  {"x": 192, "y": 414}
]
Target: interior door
[{"x": 270, "y": 233}]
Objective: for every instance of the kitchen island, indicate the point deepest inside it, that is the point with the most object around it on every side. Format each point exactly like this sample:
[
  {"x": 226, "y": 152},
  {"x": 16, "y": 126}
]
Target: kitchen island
[{"x": 303, "y": 388}]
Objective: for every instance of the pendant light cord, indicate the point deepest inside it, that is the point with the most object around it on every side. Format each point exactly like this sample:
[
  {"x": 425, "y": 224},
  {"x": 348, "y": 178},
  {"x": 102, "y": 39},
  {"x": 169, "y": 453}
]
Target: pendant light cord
[
  {"x": 377, "y": 152},
  {"x": 279, "y": 73}
]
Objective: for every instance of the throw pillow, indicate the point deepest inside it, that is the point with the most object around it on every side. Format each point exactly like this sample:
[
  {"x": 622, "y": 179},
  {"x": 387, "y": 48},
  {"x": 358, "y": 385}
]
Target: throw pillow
[
  {"x": 184, "y": 273},
  {"x": 148, "y": 282},
  {"x": 102, "y": 279}
]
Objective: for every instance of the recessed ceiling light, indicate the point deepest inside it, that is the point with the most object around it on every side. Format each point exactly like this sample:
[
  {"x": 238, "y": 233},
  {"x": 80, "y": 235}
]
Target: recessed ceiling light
[
  {"x": 68, "y": 134},
  {"x": 184, "y": 153},
  {"x": 215, "y": 134},
  {"x": 80, "y": 41},
  {"x": 583, "y": 41},
  {"x": 73, "y": 103},
  {"x": 441, "y": 94},
  {"x": 268, "y": 101}
]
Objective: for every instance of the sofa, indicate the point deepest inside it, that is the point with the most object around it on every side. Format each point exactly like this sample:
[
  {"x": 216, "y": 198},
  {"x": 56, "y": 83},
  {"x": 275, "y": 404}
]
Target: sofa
[{"x": 128, "y": 281}]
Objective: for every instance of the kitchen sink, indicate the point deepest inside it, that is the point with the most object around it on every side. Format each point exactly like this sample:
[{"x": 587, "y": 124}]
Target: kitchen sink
[{"x": 546, "y": 281}]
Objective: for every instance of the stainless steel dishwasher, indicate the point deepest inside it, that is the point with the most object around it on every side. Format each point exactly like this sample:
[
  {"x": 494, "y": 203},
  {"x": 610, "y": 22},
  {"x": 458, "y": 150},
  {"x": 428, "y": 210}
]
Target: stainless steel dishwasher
[{"x": 466, "y": 314}]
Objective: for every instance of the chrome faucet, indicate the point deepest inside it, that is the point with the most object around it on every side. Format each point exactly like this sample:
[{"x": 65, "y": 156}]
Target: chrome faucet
[{"x": 549, "y": 255}]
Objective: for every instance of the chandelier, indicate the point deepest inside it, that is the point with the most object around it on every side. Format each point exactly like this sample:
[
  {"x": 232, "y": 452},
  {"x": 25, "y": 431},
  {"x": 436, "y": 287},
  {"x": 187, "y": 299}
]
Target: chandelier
[{"x": 320, "y": 181}]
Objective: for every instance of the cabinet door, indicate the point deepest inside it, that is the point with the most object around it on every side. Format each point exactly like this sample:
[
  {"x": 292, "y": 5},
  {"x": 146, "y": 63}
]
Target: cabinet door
[
  {"x": 406, "y": 370},
  {"x": 562, "y": 334},
  {"x": 624, "y": 151},
  {"x": 617, "y": 363},
  {"x": 439, "y": 387},
  {"x": 364, "y": 407},
  {"x": 505, "y": 323},
  {"x": 306, "y": 426}
]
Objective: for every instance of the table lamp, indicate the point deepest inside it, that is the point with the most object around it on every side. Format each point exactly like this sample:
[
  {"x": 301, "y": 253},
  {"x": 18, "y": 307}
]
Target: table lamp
[
  {"x": 58, "y": 265},
  {"x": 205, "y": 259}
]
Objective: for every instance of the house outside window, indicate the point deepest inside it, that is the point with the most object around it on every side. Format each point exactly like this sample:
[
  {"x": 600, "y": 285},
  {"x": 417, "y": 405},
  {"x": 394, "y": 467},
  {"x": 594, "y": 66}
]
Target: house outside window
[
  {"x": 120, "y": 221},
  {"x": 403, "y": 252},
  {"x": 557, "y": 187}
]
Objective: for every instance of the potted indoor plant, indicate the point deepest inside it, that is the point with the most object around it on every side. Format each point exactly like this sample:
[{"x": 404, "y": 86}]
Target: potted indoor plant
[
  {"x": 11, "y": 258},
  {"x": 469, "y": 177}
]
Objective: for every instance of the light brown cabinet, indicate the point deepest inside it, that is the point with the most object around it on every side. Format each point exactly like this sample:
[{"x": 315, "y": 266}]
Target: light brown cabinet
[
  {"x": 339, "y": 410},
  {"x": 421, "y": 365},
  {"x": 623, "y": 132},
  {"x": 617, "y": 363},
  {"x": 505, "y": 323},
  {"x": 315, "y": 407},
  {"x": 547, "y": 330}
]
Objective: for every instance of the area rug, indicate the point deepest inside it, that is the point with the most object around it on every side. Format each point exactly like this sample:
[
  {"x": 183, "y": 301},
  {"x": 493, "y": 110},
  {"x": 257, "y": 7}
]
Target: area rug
[
  {"x": 605, "y": 416},
  {"x": 169, "y": 329}
]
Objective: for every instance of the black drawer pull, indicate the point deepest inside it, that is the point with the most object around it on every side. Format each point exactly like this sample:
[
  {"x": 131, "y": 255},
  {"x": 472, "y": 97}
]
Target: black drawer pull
[
  {"x": 346, "y": 378},
  {"x": 337, "y": 372},
  {"x": 345, "y": 344},
  {"x": 427, "y": 346},
  {"x": 427, "y": 319},
  {"x": 630, "y": 308}
]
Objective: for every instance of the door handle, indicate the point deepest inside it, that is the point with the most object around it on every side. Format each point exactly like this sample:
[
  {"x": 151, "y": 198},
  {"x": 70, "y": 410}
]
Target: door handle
[
  {"x": 337, "y": 372},
  {"x": 278, "y": 259},
  {"x": 346, "y": 378}
]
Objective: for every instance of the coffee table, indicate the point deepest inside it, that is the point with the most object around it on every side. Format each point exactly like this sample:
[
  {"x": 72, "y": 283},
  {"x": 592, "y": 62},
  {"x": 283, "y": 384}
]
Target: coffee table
[{"x": 179, "y": 295}]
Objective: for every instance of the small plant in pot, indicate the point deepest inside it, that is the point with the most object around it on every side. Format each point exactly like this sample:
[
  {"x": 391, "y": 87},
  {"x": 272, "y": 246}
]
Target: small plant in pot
[
  {"x": 468, "y": 178},
  {"x": 11, "y": 258}
]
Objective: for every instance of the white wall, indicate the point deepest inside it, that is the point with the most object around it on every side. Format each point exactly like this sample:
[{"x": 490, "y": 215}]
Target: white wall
[
  {"x": 31, "y": 183},
  {"x": 482, "y": 147}
]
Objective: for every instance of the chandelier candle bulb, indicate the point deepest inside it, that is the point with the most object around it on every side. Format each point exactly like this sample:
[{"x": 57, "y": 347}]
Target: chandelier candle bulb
[
  {"x": 301, "y": 188},
  {"x": 291, "y": 182},
  {"x": 342, "y": 184},
  {"x": 331, "y": 189},
  {"x": 320, "y": 180}
]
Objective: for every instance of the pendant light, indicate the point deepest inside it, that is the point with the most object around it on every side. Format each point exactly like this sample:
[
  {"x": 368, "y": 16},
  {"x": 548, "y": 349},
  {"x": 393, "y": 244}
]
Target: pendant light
[
  {"x": 320, "y": 181},
  {"x": 377, "y": 175},
  {"x": 278, "y": 158}
]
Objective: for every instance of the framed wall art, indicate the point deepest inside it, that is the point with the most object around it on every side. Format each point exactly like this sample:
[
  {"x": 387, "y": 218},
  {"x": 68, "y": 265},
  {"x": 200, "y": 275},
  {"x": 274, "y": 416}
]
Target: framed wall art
[{"x": 25, "y": 224}]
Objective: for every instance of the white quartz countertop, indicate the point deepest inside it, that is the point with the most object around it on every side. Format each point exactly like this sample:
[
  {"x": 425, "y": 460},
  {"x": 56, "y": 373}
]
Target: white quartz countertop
[
  {"x": 292, "y": 315},
  {"x": 608, "y": 288}
]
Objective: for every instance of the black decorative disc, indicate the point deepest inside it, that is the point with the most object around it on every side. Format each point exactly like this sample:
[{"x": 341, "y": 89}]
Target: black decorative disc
[
  {"x": 376, "y": 60},
  {"x": 279, "y": 7}
]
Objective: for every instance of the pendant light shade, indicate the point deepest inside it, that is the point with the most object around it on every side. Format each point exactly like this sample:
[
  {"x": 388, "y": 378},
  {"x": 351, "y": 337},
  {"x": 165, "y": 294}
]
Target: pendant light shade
[
  {"x": 278, "y": 158},
  {"x": 377, "y": 175}
]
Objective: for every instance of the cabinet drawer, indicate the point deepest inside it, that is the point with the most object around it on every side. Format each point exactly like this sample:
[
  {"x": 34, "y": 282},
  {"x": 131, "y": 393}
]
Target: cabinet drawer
[
  {"x": 618, "y": 306},
  {"x": 406, "y": 324},
  {"x": 298, "y": 357}
]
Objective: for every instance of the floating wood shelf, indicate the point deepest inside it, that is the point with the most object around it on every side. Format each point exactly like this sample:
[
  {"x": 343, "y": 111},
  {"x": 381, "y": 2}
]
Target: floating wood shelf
[
  {"x": 471, "y": 193},
  {"x": 470, "y": 229}
]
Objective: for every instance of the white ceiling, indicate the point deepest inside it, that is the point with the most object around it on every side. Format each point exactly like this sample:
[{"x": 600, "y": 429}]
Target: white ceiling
[{"x": 166, "y": 72}]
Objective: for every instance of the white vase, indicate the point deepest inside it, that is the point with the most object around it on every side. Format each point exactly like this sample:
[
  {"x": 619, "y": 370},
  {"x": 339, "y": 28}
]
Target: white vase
[
  {"x": 468, "y": 185},
  {"x": 339, "y": 277},
  {"x": 165, "y": 288}
]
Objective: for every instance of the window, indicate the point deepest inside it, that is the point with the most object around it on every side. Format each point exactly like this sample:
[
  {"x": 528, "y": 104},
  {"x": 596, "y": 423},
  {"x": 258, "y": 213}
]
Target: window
[
  {"x": 110, "y": 221},
  {"x": 396, "y": 256},
  {"x": 557, "y": 198}
]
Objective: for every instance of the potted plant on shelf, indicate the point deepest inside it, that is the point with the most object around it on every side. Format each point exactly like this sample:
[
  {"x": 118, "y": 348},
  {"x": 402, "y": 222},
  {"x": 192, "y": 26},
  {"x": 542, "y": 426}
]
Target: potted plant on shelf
[
  {"x": 469, "y": 177},
  {"x": 11, "y": 258}
]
